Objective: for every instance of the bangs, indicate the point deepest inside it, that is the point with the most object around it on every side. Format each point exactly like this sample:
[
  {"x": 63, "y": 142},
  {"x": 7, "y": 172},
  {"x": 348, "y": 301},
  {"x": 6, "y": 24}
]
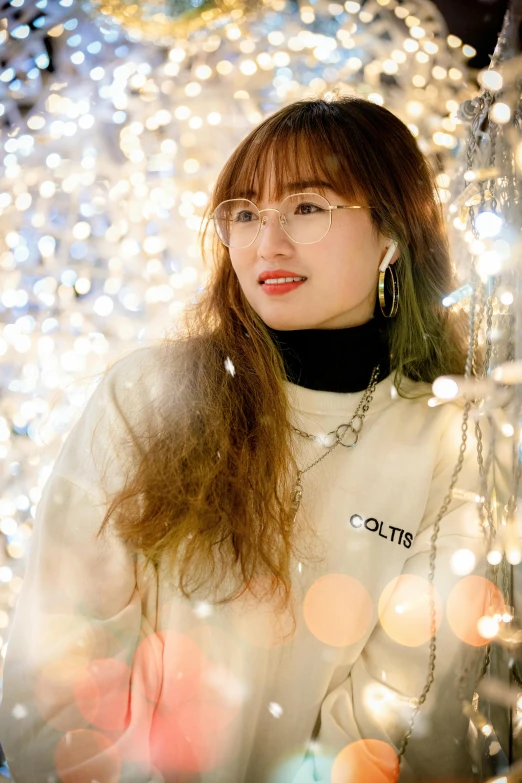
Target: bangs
[{"x": 279, "y": 159}]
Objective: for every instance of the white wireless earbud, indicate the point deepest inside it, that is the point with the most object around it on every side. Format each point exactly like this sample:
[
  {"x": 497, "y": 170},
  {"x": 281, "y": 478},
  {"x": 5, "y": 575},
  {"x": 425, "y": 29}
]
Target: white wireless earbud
[{"x": 392, "y": 247}]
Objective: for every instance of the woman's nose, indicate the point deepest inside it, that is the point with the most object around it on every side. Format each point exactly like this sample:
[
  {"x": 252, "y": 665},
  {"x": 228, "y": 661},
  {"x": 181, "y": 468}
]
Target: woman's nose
[{"x": 271, "y": 228}]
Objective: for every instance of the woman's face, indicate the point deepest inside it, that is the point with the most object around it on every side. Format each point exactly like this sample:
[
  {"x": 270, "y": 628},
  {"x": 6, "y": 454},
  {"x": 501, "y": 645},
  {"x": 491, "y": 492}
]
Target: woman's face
[{"x": 341, "y": 270}]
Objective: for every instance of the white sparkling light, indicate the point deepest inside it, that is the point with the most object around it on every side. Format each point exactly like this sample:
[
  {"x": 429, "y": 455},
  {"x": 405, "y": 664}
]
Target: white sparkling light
[
  {"x": 490, "y": 79},
  {"x": 445, "y": 388},
  {"x": 514, "y": 555},
  {"x": 229, "y": 366},
  {"x": 103, "y": 305},
  {"x": 488, "y": 627},
  {"x": 489, "y": 263},
  {"x": 275, "y": 709},
  {"x": 488, "y": 224},
  {"x": 500, "y": 113},
  {"x": 494, "y": 557},
  {"x": 463, "y": 562}
]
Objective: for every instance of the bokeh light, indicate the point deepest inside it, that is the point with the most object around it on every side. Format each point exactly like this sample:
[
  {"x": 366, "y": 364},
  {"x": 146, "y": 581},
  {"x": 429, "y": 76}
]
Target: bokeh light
[
  {"x": 338, "y": 610},
  {"x": 191, "y": 726},
  {"x": 445, "y": 388},
  {"x": 194, "y": 707},
  {"x": 463, "y": 562},
  {"x": 102, "y": 694},
  {"x": 368, "y": 760},
  {"x": 471, "y": 607},
  {"x": 54, "y": 694},
  {"x": 405, "y": 609}
]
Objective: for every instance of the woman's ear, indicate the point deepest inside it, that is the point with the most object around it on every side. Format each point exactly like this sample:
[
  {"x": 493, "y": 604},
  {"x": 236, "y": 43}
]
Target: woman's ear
[{"x": 392, "y": 247}]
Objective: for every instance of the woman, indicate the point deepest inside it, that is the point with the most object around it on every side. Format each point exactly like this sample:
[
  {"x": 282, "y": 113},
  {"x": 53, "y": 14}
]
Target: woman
[{"x": 228, "y": 578}]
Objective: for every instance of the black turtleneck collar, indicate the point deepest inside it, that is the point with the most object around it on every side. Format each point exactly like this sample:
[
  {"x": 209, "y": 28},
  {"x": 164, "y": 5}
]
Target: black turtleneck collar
[{"x": 337, "y": 360}]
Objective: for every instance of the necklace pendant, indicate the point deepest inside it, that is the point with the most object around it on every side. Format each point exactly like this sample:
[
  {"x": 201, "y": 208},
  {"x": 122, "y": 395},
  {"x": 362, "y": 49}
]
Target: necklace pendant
[{"x": 297, "y": 494}]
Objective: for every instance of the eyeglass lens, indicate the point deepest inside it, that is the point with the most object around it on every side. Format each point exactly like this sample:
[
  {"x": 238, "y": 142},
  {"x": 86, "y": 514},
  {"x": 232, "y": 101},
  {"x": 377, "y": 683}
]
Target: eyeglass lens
[{"x": 304, "y": 216}]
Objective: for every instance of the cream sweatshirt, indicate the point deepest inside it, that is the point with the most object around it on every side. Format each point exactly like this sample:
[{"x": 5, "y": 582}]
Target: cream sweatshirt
[{"x": 110, "y": 675}]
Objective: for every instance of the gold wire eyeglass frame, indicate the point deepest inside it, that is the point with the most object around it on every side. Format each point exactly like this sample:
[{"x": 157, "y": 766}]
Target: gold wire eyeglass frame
[{"x": 282, "y": 218}]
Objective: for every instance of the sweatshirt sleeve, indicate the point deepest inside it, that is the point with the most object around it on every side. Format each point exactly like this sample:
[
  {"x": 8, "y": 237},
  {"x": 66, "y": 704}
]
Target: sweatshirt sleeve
[
  {"x": 73, "y": 706},
  {"x": 377, "y": 698}
]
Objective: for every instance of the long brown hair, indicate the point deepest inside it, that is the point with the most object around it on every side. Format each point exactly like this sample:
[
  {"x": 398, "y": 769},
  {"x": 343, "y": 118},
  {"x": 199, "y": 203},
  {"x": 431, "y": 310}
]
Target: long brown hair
[{"x": 210, "y": 489}]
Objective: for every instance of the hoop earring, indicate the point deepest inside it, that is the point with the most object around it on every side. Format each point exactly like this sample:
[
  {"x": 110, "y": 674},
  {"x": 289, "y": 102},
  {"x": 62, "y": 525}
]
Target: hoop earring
[{"x": 394, "y": 292}]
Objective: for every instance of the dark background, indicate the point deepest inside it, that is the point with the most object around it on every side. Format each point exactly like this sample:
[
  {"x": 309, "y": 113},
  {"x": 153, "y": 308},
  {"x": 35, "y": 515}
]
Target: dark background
[{"x": 477, "y": 22}]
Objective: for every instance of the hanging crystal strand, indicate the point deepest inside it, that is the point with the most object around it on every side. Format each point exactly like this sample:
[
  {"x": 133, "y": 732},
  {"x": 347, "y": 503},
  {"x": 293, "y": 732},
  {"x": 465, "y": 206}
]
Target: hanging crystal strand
[
  {"x": 481, "y": 305},
  {"x": 504, "y": 548},
  {"x": 474, "y": 326},
  {"x": 431, "y": 578}
]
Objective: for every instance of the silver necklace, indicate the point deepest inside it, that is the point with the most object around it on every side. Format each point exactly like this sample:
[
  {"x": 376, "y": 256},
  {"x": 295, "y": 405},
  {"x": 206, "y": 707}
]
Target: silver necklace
[{"x": 354, "y": 426}]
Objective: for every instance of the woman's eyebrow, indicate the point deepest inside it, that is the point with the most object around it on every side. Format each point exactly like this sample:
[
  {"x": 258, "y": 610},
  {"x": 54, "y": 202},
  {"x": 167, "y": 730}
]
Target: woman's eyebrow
[
  {"x": 316, "y": 183},
  {"x": 291, "y": 187}
]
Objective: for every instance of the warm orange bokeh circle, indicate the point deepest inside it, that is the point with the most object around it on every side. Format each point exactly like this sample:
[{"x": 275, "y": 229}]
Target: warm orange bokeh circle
[
  {"x": 472, "y": 598},
  {"x": 405, "y": 611},
  {"x": 338, "y": 609},
  {"x": 366, "y": 761}
]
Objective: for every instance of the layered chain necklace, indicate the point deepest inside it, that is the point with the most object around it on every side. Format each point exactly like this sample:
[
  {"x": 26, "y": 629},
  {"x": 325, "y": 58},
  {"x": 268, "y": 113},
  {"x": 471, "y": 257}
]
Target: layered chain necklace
[{"x": 336, "y": 437}]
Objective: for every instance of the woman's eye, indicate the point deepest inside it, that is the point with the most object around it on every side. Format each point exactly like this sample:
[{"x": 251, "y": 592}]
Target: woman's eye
[
  {"x": 244, "y": 217},
  {"x": 308, "y": 209}
]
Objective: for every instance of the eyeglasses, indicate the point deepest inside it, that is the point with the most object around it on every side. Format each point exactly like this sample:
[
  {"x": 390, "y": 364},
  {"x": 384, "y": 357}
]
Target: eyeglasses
[{"x": 304, "y": 217}]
